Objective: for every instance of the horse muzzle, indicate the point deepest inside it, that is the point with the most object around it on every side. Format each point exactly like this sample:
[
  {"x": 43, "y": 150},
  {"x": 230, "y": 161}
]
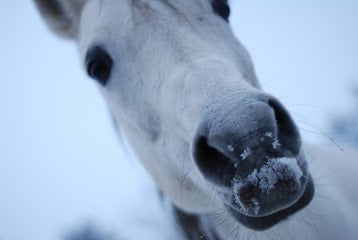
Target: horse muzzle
[{"x": 253, "y": 155}]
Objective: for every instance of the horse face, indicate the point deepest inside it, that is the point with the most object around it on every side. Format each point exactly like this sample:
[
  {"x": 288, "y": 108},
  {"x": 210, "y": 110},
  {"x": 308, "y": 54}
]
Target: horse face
[{"x": 184, "y": 94}]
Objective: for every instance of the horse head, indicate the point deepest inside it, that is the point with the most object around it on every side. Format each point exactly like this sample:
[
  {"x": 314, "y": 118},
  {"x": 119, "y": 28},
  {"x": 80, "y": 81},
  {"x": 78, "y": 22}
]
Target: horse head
[{"x": 183, "y": 92}]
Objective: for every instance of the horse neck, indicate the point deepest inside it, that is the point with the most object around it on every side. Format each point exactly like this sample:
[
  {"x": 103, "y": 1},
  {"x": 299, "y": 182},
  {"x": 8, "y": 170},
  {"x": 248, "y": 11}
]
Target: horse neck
[{"x": 196, "y": 226}]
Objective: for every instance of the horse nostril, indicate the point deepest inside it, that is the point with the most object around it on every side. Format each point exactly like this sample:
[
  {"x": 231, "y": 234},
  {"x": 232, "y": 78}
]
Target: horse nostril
[{"x": 212, "y": 163}]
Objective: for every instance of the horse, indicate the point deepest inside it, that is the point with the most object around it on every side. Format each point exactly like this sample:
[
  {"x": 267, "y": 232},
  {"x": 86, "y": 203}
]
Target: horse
[{"x": 183, "y": 93}]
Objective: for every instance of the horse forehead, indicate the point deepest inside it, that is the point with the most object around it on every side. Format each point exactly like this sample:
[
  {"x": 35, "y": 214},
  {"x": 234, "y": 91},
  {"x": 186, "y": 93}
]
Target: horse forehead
[
  {"x": 119, "y": 18},
  {"x": 178, "y": 6}
]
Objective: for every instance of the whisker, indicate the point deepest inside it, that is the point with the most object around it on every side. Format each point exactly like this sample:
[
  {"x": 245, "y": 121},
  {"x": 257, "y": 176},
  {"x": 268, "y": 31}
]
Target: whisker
[
  {"x": 311, "y": 219},
  {"x": 311, "y": 123},
  {"x": 326, "y": 175},
  {"x": 232, "y": 229},
  {"x": 289, "y": 232},
  {"x": 307, "y": 223},
  {"x": 273, "y": 78},
  {"x": 327, "y": 199},
  {"x": 330, "y": 184}
]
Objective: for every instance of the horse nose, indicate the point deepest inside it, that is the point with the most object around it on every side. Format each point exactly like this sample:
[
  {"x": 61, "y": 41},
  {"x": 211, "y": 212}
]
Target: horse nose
[
  {"x": 246, "y": 144},
  {"x": 255, "y": 131}
]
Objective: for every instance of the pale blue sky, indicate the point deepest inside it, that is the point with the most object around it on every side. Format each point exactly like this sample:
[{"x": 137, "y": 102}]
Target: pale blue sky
[{"x": 60, "y": 161}]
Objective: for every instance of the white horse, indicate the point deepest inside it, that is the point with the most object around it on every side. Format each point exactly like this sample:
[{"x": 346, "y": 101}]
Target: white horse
[{"x": 183, "y": 92}]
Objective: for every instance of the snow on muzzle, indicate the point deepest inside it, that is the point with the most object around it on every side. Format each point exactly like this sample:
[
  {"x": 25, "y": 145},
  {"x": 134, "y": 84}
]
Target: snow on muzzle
[{"x": 273, "y": 187}]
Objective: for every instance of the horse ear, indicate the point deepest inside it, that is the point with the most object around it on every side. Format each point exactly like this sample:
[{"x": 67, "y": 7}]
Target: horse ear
[{"x": 62, "y": 16}]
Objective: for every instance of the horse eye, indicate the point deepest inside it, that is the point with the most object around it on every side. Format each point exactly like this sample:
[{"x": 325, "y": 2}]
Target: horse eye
[
  {"x": 99, "y": 64},
  {"x": 221, "y": 7}
]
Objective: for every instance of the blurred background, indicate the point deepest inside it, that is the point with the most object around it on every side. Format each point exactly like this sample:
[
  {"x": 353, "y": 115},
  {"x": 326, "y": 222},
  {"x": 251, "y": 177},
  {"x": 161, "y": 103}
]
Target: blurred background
[{"x": 62, "y": 167}]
